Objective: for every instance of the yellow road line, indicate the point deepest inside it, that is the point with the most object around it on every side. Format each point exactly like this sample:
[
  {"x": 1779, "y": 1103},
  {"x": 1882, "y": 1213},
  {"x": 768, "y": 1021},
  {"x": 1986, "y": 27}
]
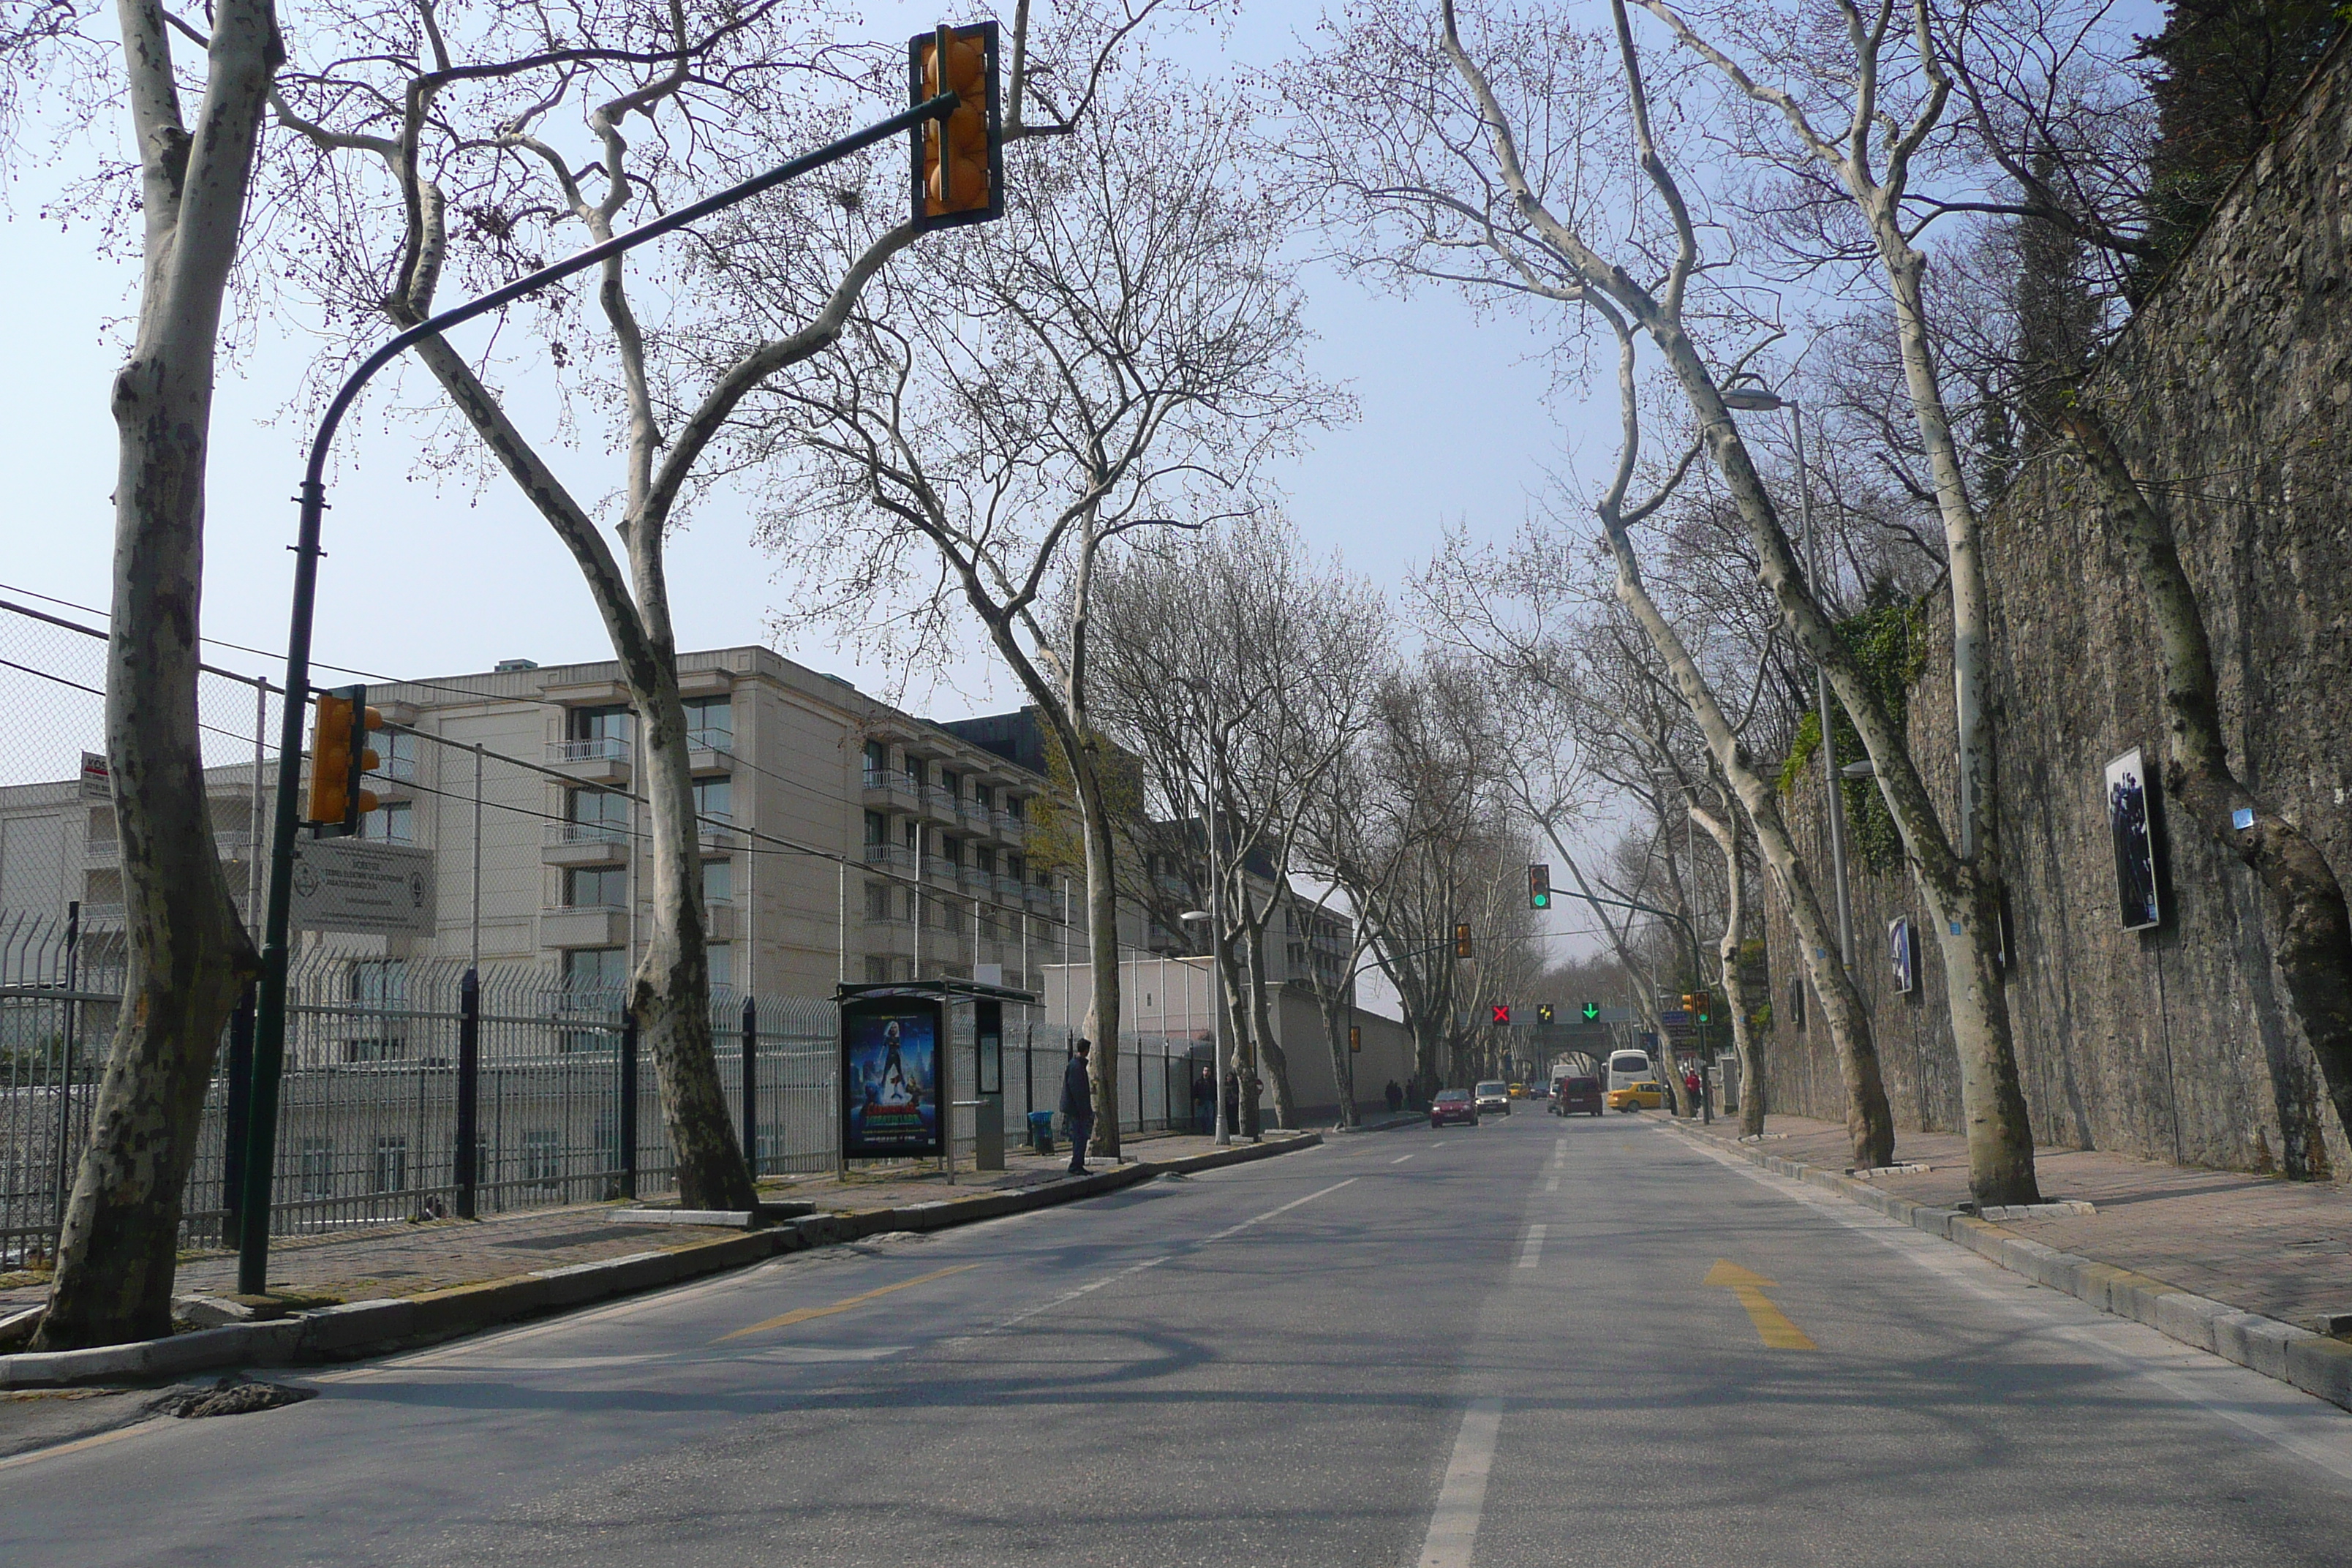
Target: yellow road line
[
  {"x": 806, "y": 1314},
  {"x": 1773, "y": 1325}
]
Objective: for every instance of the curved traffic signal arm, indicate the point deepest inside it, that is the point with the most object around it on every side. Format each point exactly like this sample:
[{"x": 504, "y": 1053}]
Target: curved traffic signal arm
[
  {"x": 959, "y": 169},
  {"x": 339, "y": 760}
]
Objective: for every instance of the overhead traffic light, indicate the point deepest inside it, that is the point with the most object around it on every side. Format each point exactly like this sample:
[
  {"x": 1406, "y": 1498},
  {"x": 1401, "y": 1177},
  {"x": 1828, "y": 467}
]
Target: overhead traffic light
[
  {"x": 1539, "y": 886},
  {"x": 1592, "y": 1011},
  {"x": 960, "y": 161},
  {"x": 1461, "y": 940},
  {"x": 1543, "y": 1012},
  {"x": 1503, "y": 1013},
  {"x": 340, "y": 759}
]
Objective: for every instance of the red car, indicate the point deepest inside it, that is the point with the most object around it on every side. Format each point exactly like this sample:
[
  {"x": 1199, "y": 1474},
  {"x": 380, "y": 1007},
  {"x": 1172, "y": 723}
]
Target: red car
[
  {"x": 1454, "y": 1105},
  {"x": 1576, "y": 1094}
]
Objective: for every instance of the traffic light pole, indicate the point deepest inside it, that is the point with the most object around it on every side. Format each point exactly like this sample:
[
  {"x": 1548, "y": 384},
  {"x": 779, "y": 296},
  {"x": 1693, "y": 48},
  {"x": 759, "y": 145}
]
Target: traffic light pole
[{"x": 270, "y": 1015}]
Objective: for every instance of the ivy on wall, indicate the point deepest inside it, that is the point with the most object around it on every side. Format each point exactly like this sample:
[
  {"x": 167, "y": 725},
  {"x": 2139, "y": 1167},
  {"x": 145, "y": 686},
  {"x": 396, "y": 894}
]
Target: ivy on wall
[{"x": 1890, "y": 644}]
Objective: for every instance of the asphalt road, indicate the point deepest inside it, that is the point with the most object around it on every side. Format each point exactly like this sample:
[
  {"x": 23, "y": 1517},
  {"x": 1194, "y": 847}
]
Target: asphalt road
[{"x": 1535, "y": 1342}]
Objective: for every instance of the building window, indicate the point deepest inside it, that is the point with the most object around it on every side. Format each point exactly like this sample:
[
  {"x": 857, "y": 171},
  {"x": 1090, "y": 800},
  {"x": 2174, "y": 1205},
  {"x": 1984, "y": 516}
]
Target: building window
[
  {"x": 398, "y": 747},
  {"x": 951, "y": 781},
  {"x": 596, "y": 887},
  {"x": 395, "y": 822},
  {"x": 985, "y": 796},
  {"x": 917, "y": 771},
  {"x": 711, "y": 722},
  {"x": 1017, "y": 807},
  {"x": 878, "y": 827},
  {"x": 914, "y": 833},
  {"x": 718, "y": 881},
  {"x": 607, "y": 723},
  {"x": 1017, "y": 868},
  {"x": 950, "y": 849},
  {"x": 379, "y": 984},
  {"x": 722, "y": 964},
  {"x": 877, "y": 971},
  {"x": 878, "y": 900},
  {"x": 392, "y": 1164},
  {"x": 317, "y": 1170},
  {"x": 714, "y": 799},
  {"x": 597, "y": 813},
  {"x": 878, "y": 760},
  {"x": 595, "y": 972},
  {"x": 985, "y": 858}
]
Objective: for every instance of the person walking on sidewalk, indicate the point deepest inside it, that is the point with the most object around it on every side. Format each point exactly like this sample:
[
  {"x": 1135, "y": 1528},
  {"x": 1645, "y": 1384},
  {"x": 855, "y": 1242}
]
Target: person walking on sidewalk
[
  {"x": 1395, "y": 1098},
  {"x": 1204, "y": 1101},
  {"x": 1078, "y": 1106}
]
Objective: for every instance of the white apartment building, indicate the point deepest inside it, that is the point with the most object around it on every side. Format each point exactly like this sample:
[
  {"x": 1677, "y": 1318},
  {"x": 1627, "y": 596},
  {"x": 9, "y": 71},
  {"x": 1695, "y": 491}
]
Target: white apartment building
[{"x": 843, "y": 840}]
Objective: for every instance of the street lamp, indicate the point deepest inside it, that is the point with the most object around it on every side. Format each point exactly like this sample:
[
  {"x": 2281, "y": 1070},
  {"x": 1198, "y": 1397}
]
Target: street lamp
[
  {"x": 1756, "y": 401},
  {"x": 1216, "y": 1005},
  {"x": 270, "y": 1012}
]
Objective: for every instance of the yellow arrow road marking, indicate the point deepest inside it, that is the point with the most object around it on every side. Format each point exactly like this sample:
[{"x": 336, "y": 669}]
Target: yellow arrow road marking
[
  {"x": 1773, "y": 1325},
  {"x": 806, "y": 1314}
]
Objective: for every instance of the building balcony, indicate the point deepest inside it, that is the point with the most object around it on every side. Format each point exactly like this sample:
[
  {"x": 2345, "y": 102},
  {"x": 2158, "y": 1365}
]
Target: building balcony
[
  {"x": 1042, "y": 900},
  {"x": 887, "y": 789},
  {"x": 1012, "y": 829},
  {"x": 715, "y": 833},
  {"x": 709, "y": 751},
  {"x": 974, "y": 880},
  {"x": 1010, "y": 890},
  {"x": 938, "y": 867},
  {"x": 975, "y": 817},
  {"x": 938, "y": 805},
  {"x": 892, "y": 938},
  {"x": 604, "y": 760},
  {"x": 590, "y": 926},
  {"x": 891, "y": 857},
  {"x": 585, "y": 844}
]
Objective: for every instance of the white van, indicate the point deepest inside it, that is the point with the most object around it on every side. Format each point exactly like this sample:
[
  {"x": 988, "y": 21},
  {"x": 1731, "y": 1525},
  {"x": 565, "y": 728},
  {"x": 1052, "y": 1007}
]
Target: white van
[{"x": 1626, "y": 1067}]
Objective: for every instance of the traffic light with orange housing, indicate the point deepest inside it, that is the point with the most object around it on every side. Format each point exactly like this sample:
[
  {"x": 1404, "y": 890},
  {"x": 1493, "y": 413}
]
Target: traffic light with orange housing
[
  {"x": 1698, "y": 1004},
  {"x": 1462, "y": 940},
  {"x": 340, "y": 760},
  {"x": 958, "y": 172}
]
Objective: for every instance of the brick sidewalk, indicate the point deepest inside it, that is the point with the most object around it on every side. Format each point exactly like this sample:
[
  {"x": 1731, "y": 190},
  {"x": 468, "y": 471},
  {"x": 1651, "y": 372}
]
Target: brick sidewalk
[
  {"x": 2261, "y": 1244},
  {"x": 405, "y": 1259}
]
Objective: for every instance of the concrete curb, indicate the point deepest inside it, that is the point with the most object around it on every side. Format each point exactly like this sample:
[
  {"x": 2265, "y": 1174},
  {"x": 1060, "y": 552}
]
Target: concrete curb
[
  {"x": 2316, "y": 1363},
  {"x": 367, "y": 1328}
]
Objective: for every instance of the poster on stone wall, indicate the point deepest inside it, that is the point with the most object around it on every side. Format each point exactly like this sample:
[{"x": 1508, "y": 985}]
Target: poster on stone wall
[
  {"x": 1903, "y": 955},
  {"x": 2130, "y": 812}
]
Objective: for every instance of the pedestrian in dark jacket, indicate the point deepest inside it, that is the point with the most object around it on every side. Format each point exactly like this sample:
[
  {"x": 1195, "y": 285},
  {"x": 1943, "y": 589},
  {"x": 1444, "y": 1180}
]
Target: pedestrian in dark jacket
[
  {"x": 1079, "y": 1107},
  {"x": 1204, "y": 1101}
]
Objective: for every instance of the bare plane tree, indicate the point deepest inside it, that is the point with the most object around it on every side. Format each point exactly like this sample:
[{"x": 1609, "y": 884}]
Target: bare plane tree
[
  {"x": 1120, "y": 353},
  {"x": 189, "y": 956}
]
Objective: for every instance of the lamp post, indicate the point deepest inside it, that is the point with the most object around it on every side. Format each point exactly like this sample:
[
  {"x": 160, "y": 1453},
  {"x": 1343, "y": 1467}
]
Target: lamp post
[
  {"x": 1765, "y": 402},
  {"x": 270, "y": 1015}
]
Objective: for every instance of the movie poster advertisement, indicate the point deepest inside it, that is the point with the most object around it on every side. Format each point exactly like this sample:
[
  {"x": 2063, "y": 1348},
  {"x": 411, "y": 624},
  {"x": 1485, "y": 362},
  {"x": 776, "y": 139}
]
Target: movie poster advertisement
[
  {"x": 2130, "y": 822},
  {"x": 1903, "y": 955},
  {"x": 890, "y": 1077}
]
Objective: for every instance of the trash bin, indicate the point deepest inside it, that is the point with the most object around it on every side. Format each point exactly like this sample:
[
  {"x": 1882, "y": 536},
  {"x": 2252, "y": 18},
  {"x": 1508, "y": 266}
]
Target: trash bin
[{"x": 1041, "y": 1132}]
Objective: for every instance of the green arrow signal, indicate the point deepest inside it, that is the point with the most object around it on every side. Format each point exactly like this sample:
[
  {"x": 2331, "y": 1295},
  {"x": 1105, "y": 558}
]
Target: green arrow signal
[{"x": 1592, "y": 1011}]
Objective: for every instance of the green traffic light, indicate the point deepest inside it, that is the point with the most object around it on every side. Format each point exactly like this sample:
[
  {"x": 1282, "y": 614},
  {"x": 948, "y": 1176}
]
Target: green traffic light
[{"x": 1592, "y": 1011}]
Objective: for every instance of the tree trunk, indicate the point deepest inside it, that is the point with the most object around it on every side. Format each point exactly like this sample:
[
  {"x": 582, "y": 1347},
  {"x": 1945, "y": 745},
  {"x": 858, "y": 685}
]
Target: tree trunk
[
  {"x": 1869, "y": 1120},
  {"x": 1338, "y": 1016},
  {"x": 1102, "y": 947},
  {"x": 189, "y": 958},
  {"x": 1725, "y": 831},
  {"x": 1269, "y": 1049},
  {"x": 2315, "y": 945},
  {"x": 670, "y": 992}
]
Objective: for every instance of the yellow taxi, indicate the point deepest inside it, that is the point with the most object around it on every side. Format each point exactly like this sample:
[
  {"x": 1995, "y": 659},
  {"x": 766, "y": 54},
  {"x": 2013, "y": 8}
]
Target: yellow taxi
[
  {"x": 1643, "y": 1096},
  {"x": 1518, "y": 1091}
]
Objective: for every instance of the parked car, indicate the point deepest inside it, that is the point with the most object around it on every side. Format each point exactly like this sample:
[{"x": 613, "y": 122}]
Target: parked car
[
  {"x": 1576, "y": 1096},
  {"x": 1495, "y": 1096},
  {"x": 1454, "y": 1105},
  {"x": 1647, "y": 1095}
]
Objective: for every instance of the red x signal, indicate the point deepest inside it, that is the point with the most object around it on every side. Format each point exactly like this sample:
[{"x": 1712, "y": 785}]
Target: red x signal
[{"x": 1501, "y": 1011}]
